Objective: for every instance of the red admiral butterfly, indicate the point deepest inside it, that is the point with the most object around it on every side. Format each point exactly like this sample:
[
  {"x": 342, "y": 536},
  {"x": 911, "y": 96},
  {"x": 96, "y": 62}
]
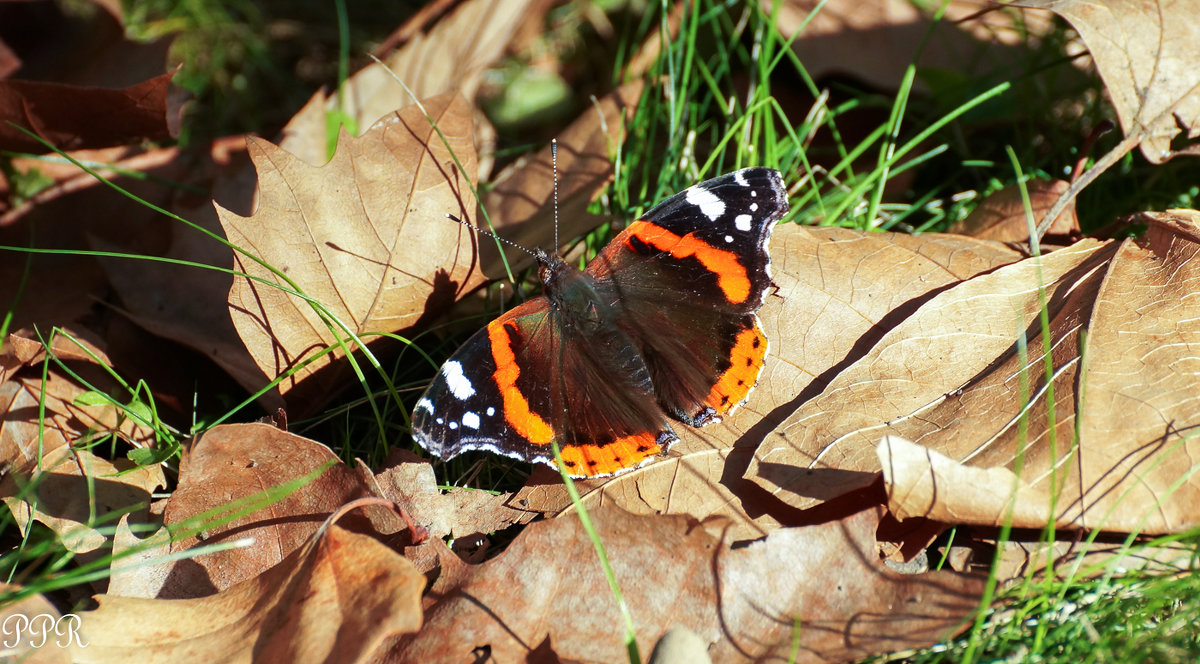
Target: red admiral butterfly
[{"x": 662, "y": 322}]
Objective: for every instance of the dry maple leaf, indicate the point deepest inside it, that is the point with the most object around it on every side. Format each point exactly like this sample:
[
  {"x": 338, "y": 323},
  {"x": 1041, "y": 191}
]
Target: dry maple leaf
[
  {"x": 233, "y": 462},
  {"x": 547, "y": 594},
  {"x": 335, "y": 599},
  {"x": 1147, "y": 53},
  {"x": 366, "y": 235},
  {"x": 951, "y": 378}
]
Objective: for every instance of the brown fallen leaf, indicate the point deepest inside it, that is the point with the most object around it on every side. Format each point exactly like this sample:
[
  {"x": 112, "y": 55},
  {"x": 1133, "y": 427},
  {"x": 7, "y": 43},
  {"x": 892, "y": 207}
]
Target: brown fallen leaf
[
  {"x": 839, "y": 290},
  {"x": 232, "y": 462},
  {"x": 51, "y": 477},
  {"x": 1146, "y": 53},
  {"x": 334, "y": 599},
  {"x": 547, "y": 592},
  {"x": 409, "y": 481},
  {"x": 73, "y": 117},
  {"x": 950, "y": 378},
  {"x": 1001, "y": 216},
  {"x": 366, "y": 235},
  {"x": 875, "y": 41},
  {"x": 139, "y": 567}
]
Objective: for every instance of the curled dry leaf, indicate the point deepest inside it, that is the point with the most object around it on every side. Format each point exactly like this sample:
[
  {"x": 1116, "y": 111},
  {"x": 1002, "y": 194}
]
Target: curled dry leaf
[
  {"x": 952, "y": 378},
  {"x": 75, "y": 117},
  {"x": 233, "y": 462},
  {"x": 547, "y": 592},
  {"x": 366, "y": 235},
  {"x": 335, "y": 599},
  {"x": 839, "y": 290},
  {"x": 1146, "y": 52}
]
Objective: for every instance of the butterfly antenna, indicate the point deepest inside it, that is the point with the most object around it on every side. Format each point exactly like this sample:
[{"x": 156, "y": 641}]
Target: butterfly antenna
[
  {"x": 554, "y": 169},
  {"x": 490, "y": 234}
]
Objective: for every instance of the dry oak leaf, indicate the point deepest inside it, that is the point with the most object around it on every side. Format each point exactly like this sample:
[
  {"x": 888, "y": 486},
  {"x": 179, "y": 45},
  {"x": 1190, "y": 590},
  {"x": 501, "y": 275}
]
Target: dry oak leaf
[
  {"x": 450, "y": 57},
  {"x": 1147, "y": 53},
  {"x": 547, "y": 592},
  {"x": 75, "y": 117},
  {"x": 521, "y": 203},
  {"x": 236, "y": 461},
  {"x": 333, "y": 600},
  {"x": 838, "y": 291},
  {"x": 366, "y": 235},
  {"x": 952, "y": 379}
]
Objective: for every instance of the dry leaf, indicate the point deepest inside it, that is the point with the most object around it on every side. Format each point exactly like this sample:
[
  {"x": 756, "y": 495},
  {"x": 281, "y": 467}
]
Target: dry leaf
[
  {"x": 547, "y": 593},
  {"x": 1001, "y": 216},
  {"x": 75, "y": 489},
  {"x": 409, "y": 481},
  {"x": 950, "y": 378},
  {"x": 366, "y": 235},
  {"x": 333, "y": 600},
  {"x": 1146, "y": 51},
  {"x": 875, "y": 41},
  {"x": 74, "y": 117},
  {"x": 232, "y": 462},
  {"x": 138, "y": 569}
]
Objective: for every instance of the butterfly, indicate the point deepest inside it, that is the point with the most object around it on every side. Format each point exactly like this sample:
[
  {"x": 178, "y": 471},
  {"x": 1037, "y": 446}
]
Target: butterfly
[{"x": 660, "y": 326}]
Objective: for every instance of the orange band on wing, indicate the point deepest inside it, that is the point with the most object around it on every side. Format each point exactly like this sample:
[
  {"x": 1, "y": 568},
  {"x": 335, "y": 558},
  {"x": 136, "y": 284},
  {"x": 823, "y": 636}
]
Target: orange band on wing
[
  {"x": 731, "y": 274},
  {"x": 746, "y": 361},
  {"x": 591, "y": 460},
  {"x": 516, "y": 407}
]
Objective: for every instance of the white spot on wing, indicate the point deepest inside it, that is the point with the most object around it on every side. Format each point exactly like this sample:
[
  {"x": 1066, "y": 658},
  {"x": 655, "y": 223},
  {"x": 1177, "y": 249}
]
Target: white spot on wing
[
  {"x": 453, "y": 425},
  {"x": 729, "y": 238},
  {"x": 754, "y": 207},
  {"x": 470, "y": 419},
  {"x": 491, "y": 411},
  {"x": 740, "y": 178},
  {"x": 459, "y": 385},
  {"x": 742, "y": 222},
  {"x": 709, "y": 203},
  {"x": 425, "y": 405}
]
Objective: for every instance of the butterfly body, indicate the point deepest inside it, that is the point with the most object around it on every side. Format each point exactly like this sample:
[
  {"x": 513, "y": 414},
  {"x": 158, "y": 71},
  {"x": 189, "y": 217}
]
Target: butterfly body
[{"x": 660, "y": 325}]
